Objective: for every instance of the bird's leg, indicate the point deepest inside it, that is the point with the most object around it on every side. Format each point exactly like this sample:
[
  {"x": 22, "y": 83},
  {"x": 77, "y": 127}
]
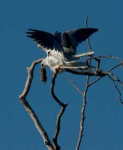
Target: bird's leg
[
  {"x": 83, "y": 54},
  {"x": 57, "y": 69},
  {"x": 78, "y": 56}
]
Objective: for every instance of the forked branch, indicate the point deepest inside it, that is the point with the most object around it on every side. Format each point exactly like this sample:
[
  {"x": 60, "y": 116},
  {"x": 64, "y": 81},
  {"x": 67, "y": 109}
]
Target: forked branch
[
  {"x": 29, "y": 109},
  {"x": 83, "y": 70}
]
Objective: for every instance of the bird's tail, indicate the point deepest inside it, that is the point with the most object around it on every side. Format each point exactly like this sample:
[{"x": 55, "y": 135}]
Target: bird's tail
[
  {"x": 74, "y": 65},
  {"x": 76, "y": 57}
]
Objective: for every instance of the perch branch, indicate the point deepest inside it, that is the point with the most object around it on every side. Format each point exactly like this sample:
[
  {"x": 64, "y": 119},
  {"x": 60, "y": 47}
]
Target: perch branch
[
  {"x": 90, "y": 73},
  {"x": 84, "y": 99},
  {"x": 58, "y": 122},
  {"x": 28, "y": 108}
]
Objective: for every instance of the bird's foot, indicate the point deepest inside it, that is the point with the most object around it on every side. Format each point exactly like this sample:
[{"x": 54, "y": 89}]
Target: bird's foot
[{"x": 57, "y": 69}]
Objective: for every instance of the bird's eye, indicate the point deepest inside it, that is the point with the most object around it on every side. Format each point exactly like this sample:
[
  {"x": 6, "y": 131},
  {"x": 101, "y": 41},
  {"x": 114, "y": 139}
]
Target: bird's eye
[
  {"x": 48, "y": 52},
  {"x": 42, "y": 65}
]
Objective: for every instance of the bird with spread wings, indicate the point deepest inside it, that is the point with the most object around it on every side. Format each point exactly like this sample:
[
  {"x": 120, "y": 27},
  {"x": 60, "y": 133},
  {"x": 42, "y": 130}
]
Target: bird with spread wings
[{"x": 61, "y": 47}]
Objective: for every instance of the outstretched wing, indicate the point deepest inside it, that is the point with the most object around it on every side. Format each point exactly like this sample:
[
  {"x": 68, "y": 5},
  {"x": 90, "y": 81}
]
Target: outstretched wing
[
  {"x": 77, "y": 36},
  {"x": 80, "y": 35},
  {"x": 46, "y": 41}
]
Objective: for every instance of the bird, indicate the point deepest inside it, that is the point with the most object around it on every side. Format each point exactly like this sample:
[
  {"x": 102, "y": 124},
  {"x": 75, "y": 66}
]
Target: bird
[
  {"x": 61, "y": 47},
  {"x": 65, "y": 43},
  {"x": 59, "y": 64}
]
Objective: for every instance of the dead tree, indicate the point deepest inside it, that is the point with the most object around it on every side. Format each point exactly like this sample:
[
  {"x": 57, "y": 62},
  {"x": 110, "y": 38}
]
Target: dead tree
[{"x": 88, "y": 71}]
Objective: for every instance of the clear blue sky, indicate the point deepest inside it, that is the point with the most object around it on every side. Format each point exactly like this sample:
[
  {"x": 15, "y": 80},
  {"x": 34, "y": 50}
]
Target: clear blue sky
[{"x": 104, "y": 123}]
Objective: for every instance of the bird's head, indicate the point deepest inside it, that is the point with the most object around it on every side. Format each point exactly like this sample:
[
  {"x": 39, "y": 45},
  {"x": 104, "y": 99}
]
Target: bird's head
[{"x": 44, "y": 63}]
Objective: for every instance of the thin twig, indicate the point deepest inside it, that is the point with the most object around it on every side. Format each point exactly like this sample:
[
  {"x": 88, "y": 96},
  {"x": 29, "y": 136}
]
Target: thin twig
[
  {"x": 116, "y": 78},
  {"x": 84, "y": 99},
  {"x": 75, "y": 86},
  {"x": 115, "y": 67},
  {"x": 88, "y": 42},
  {"x": 117, "y": 89},
  {"x": 112, "y": 57},
  {"x": 29, "y": 109},
  {"x": 82, "y": 115},
  {"x": 107, "y": 73},
  {"x": 94, "y": 81},
  {"x": 82, "y": 111}
]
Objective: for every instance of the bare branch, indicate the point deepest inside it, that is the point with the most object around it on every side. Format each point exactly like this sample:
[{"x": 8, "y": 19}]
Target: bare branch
[
  {"x": 82, "y": 112},
  {"x": 90, "y": 73},
  {"x": 117, "y": 89},
  {"x": 55, "y": 144},
  {"x": 30, "y": 110},
  {"x": 37, "y": 123},
  {"x": 98, "y": 72},
  {"x": 29, "y": 78},
  {"x": 112, "y": 57},
  {"x": 52, "y": 90},
  {"x": 58, "y": 125},
  {"x": 75, "y": 86},
  {"x": 82, "y": 115},
  {"x": 84, "y": 99},
  {"x": 95, "y": 81},
  {"x": 120, "y": 64},
  {"x": 88, "y": 42},
  {"x": 116, "y": 78}
]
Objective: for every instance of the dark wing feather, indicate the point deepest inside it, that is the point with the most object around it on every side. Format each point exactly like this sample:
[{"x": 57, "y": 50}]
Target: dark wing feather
[
  {"x": 81, "y": 34},
  {"x": 45, "y": 40},
  {"x": 57, "y": 34}
]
